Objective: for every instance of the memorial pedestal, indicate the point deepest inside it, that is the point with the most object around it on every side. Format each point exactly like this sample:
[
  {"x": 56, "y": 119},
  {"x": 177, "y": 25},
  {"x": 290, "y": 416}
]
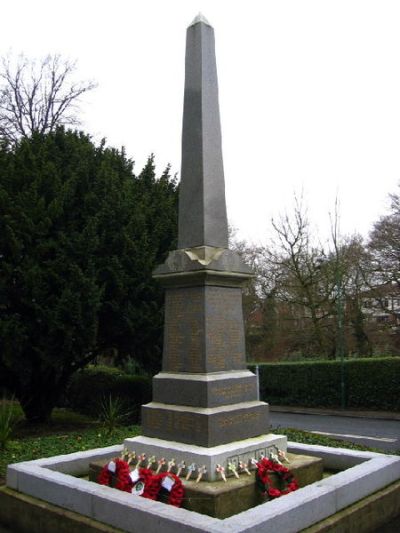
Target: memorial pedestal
[
  {"x": 205, "y": 407},
  {"x": 221, "y": 499},
  {"x": 234, "y": 452}
]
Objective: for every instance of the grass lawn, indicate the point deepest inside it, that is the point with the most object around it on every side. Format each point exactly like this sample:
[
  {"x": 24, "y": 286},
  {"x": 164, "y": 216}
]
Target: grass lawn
[
  {"x": 66, "y": 433},
  {"x": 70, "y": 432}
]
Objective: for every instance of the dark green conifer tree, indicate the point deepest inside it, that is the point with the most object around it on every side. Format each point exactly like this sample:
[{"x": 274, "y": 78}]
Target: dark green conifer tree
[{"x": 79, "y": 237}]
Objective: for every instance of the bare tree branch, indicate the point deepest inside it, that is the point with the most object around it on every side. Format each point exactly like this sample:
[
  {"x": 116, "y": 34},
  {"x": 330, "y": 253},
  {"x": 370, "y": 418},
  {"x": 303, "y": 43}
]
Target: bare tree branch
[{"x": 38, "y": 96}]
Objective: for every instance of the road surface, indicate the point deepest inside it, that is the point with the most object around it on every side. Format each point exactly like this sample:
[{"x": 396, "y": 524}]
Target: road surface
[{"x": 376, "y": 433}]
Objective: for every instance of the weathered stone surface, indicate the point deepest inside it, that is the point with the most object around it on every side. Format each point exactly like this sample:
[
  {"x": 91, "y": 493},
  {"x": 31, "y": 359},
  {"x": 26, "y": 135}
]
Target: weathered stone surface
[
  {"x": 334, "y": 458},
  {"x": 204, "y": 258},
  {"x": 27, "y": 514},
  {"x": 202, "y": 211},
  {"x": 205, "y": 426},
  {"x": 233, "y": 452},
  {"x": 356, "y": 483},
  {"x": 205, "y": 390},
  {"x": 203, "y": 330},
  {"x": 222, "y": 500},
  {"x": 369, "y": 514},
  {"x": 76, "y": 463},
  {"x": 56, "y": 488}
]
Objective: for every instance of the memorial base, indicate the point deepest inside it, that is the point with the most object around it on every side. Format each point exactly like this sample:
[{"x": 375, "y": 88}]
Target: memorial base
[
  {"x": 223, "y": 454},
  {"x": 221, "y": 499}
]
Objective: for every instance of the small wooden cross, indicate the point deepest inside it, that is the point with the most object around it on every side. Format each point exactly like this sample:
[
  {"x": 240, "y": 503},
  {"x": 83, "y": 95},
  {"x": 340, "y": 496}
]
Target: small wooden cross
[
  {"x": 243, "y": 466},
  {"x": 232, "y": 468},
  {"x": 221, "y": 470},
  {"x": 161, "y": 463},
  {"x": 131, "y": 457},
  {"x": 171, "y": 465},
  {"x": 191, "y": 469},
  {"x": 274, "y": 457},
  {"x": 151, "y": 460},
  {"x": 282, "y": 456},
  {"x": 181, "y": 466},
  {"x": 202, "y": 470},
  {"x": 124, "y": 452}
]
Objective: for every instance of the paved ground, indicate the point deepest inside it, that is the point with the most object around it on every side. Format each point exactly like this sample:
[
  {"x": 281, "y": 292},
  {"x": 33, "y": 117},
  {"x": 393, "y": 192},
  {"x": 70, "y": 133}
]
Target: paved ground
[{"x": 377, "y": 430}]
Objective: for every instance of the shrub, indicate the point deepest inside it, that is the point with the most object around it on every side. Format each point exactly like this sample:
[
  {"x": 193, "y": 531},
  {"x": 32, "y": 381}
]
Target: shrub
[
  {"x": 7, "y": 422},
  {"x": 372, "y": 383},
  {"x": 90, "y": 386},
  {"x": 112, "y": 413}
]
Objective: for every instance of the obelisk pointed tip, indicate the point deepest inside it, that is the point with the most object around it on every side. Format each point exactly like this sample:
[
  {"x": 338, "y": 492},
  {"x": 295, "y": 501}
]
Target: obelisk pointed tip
[{"x": 200, "y": 18}]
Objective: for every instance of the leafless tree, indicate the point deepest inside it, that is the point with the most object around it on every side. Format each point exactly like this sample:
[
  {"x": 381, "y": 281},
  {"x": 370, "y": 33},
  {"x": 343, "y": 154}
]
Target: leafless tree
[
  {"x": 303, "y": 280},
  {"x": 384, "y": 281},
  {"x": 384, "y": 245},
  {"x": 308, "y": 284},
  {"x": 37, "y": 96}
]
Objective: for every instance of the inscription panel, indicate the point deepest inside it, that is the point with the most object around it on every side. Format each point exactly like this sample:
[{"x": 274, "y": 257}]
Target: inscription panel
[
  {"x": 238, "y": 419},
  {"x": 198, "y": 393},
  {"x": 203, "y": 330},
  {"x": 170, "y": 421},
  {"x": 233, "y": 391},
  {"x": 205, "y": 429},
  {"x": 225, "y": 330},
  {"x": 242, "y": 423},
  {"x": 184, "y": 333},
  {"x": 175, "y": 425}
]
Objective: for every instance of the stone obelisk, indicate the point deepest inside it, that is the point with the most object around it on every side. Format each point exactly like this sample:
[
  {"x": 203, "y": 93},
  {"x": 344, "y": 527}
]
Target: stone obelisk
[{"x": 205, "y": 407}]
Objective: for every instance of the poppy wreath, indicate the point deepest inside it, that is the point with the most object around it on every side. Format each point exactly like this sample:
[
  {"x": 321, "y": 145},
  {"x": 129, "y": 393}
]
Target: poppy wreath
[
  {"x": 121, "y": 473},
  {"x": 287, "y": 481},
  {"x": 152, "y": 482},
  {"x": 177, "y": 491}
]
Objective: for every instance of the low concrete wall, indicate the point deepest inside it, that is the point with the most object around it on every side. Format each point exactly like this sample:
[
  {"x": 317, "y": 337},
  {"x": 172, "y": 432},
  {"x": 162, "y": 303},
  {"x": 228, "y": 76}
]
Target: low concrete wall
[
  {"x": 333, "y": 458},
  {"x": 51, "y": 480}
]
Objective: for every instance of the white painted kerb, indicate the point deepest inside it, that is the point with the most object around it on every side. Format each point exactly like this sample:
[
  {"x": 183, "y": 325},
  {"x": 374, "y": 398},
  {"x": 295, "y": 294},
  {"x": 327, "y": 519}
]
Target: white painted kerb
[{"x": 51, "y": 480}]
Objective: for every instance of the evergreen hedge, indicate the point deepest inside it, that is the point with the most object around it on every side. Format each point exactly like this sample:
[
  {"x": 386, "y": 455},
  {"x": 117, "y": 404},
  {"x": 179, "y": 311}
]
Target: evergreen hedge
[
  {"x": 90, "y": 386},
  {"x": 372, "y": 383}
]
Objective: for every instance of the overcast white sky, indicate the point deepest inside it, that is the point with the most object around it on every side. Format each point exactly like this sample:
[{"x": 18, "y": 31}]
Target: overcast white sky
[{"x": 309, "y": 93}]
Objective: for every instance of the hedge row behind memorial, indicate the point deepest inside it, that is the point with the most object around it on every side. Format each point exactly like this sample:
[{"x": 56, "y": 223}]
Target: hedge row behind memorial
[
  {"x": 372, "y": 383},
  {"x": 91, "y": 386}
]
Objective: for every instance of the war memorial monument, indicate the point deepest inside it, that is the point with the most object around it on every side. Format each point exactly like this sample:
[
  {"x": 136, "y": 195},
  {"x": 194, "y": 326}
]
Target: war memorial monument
[
  {"x": 205, "y": 413},
  {"x": 205, "y": 405}
]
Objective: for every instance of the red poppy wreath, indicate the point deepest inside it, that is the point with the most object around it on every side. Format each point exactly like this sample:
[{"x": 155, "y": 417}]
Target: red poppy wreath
[
  {"x": 143, "y": 482},
  {"x": 286, "y": 480}
]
